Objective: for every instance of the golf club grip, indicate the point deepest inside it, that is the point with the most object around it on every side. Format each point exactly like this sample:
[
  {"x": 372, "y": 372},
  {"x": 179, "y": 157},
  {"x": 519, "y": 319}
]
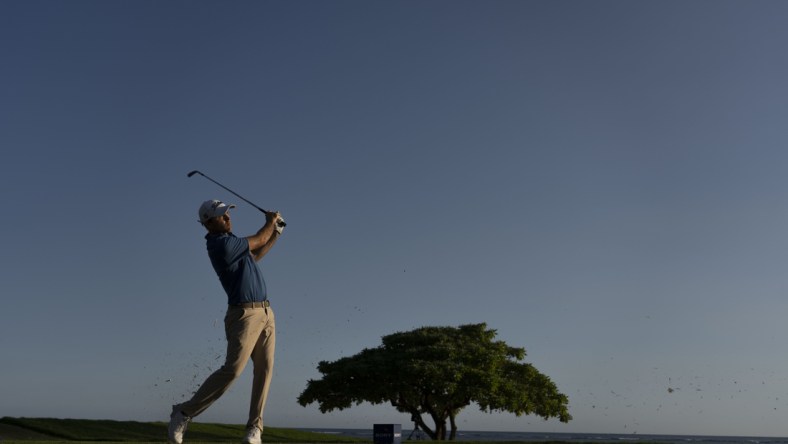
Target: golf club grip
[{"x": 281, "y": 224}]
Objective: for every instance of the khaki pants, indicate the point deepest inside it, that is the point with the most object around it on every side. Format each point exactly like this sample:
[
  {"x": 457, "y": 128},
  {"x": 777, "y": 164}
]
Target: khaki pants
[{"x": 251, "y": 333}]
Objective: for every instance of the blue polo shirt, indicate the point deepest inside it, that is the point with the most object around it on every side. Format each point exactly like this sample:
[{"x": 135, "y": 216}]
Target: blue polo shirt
[{"x": 240, "y": 276}]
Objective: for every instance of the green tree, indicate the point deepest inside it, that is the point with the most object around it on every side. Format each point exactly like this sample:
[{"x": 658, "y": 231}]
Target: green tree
[{"x": 438, "y": 371}]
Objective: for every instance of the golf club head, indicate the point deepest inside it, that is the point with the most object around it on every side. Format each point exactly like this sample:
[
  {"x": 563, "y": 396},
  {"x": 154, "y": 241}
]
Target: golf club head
[{"x": 193, "y": 173}]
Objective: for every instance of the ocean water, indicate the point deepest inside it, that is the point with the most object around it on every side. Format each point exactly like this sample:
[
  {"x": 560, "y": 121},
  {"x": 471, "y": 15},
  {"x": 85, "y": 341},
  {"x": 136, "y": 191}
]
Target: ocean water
[{"x": 574, "y": 437}]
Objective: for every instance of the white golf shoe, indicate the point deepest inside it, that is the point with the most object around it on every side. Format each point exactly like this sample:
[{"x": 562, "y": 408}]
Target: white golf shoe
[
  {"x": 253, "y": 436},
  {"x": 178, "y": 424}
]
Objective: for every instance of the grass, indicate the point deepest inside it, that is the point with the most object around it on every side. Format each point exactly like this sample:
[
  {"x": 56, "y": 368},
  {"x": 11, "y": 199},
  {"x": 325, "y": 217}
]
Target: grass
[
  {"x": 76, "y": 431},
  {"x": 49, "y": 430}
]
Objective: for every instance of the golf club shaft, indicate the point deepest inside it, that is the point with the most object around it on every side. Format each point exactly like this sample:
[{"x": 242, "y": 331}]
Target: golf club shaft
[{"x": 233, "y": 192}]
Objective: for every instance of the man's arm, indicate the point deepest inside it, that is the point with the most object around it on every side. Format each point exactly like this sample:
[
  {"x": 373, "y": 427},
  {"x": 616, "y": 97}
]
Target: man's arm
[
  {"x": 262, "y": 251},
  {"x": 265, "y": 238}
]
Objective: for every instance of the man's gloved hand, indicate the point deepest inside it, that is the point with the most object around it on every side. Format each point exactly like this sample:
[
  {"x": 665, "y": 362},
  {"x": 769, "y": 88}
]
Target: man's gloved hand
[{"x": 279, "y": 223}]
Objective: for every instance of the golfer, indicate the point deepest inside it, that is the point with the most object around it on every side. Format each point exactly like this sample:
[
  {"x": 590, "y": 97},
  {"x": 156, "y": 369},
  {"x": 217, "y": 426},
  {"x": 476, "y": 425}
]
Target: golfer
[{"x": 249, "y": 323}]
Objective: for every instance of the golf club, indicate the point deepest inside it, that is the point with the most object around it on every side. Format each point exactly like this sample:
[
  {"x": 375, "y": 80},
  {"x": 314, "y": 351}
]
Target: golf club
[{"x": 192, "y": 173}]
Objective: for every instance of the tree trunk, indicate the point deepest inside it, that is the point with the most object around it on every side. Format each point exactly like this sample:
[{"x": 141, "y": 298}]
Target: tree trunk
[
  {"x": 439, "y": 418},
  {"x": 453, "y": 434},
  {"x": 416, "y": 417},
  {"x": 441, "y": 430}
]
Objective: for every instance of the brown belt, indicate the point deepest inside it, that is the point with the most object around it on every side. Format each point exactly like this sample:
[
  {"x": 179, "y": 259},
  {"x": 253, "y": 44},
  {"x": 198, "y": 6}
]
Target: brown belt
[{"x": 264, "y": 304}]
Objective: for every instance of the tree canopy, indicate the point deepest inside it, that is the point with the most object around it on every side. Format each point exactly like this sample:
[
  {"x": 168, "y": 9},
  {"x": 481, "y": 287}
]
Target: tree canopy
[{"x": 438, "y": 371}]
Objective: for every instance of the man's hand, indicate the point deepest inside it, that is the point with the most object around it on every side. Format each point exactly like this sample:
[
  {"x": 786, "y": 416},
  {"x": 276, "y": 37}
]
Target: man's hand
[
  {"x": 265, "y": 238},
  {"x": 279, "y": 223}
]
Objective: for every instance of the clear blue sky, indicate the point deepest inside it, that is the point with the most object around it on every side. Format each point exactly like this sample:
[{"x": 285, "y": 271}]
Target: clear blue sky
[{"x": 601, "y": 182}]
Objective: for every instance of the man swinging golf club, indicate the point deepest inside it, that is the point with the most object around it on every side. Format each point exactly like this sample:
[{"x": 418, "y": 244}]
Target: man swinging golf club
[{"x": 249, "y": 322}]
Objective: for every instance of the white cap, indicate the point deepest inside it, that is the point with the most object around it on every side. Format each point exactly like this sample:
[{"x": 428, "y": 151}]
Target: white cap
[{"x": 212, "y": 208}]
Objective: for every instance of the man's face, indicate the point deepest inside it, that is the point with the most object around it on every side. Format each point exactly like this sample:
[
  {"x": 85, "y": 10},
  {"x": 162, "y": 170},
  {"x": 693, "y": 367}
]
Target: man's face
[{"x": 220, "y": 224}]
